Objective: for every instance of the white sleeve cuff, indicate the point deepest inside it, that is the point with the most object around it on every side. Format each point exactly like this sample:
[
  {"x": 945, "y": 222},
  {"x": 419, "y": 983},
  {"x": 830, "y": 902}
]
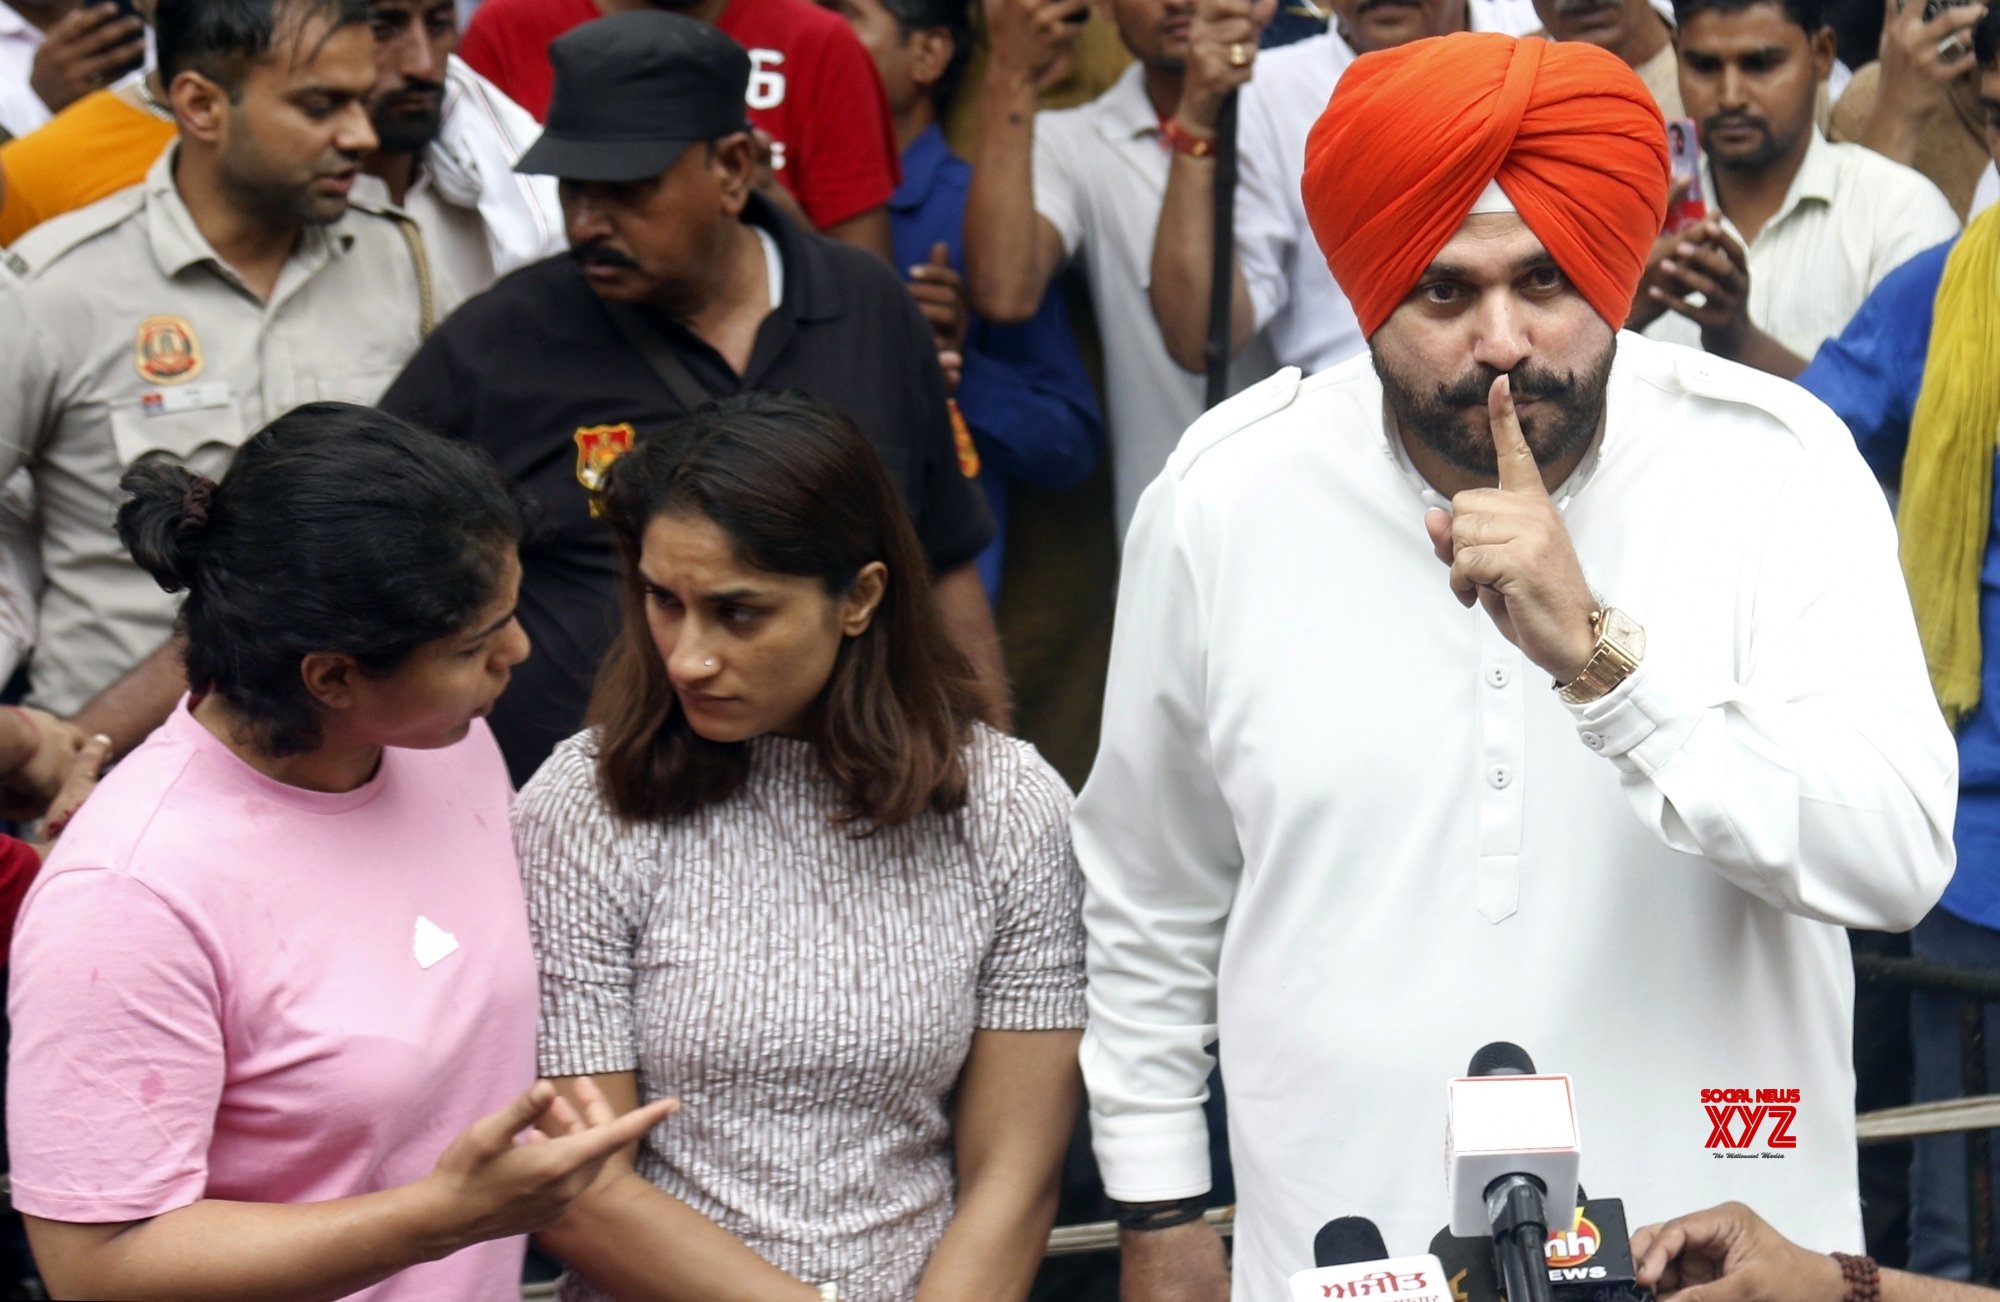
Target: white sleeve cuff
[
  {"x": 1152, "y": 1157},
  {"x": 1642, "y": 723}
]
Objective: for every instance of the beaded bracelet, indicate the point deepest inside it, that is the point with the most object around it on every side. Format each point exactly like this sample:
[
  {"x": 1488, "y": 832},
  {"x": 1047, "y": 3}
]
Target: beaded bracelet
[
  {"x": 1159, "y": 1216},
  {"x": 1864, "y": 1279}
]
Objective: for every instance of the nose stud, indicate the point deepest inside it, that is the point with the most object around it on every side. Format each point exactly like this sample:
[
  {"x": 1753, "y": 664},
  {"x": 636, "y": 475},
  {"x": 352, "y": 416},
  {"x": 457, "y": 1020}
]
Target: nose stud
[{"x": 709, "y": 663}]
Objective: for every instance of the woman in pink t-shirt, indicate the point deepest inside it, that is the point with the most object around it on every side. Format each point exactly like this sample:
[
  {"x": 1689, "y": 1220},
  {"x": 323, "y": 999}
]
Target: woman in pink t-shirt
[{"x": 272, "y": 996}]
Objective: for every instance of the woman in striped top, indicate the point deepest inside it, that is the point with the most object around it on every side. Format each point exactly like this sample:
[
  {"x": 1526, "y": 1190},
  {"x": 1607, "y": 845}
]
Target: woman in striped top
[{"x": 789, "y": 876}]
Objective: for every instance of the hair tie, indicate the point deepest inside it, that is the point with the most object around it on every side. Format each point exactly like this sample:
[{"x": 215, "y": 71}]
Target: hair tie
[{"x": 195, "y": 504}]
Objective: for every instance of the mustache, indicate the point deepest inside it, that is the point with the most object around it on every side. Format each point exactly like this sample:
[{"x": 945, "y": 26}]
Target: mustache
[
  {"x": 1721, "y": 120},
  {"x": 1527, "y": 381},
  {"x": 584, "y": 255},
  {"x": 413, "y": 86}
]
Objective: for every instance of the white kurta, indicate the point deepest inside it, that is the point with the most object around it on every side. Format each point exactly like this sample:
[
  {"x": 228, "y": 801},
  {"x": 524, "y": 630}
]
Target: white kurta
[{"x": 1338, "y": 818}]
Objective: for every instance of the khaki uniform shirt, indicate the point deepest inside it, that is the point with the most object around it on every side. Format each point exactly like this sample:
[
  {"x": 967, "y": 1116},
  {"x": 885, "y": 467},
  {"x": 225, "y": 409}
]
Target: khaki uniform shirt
[{"x": 128, "y": 337}]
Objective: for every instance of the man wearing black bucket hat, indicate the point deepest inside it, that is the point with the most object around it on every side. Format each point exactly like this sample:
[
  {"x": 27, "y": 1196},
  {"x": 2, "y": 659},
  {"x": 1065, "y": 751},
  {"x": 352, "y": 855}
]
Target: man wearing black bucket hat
[{"x": 682, "y": 284}]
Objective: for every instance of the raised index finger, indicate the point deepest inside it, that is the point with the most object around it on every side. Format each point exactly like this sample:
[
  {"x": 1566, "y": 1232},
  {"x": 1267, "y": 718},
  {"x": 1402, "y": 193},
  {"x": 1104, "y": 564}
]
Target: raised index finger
[{"x": 1516, "y": 464}]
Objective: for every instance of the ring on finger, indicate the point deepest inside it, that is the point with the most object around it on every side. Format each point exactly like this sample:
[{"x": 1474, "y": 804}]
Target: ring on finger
[
  {"x": 1239, "y": 55},
  {"x": 1949, "y": 48}
]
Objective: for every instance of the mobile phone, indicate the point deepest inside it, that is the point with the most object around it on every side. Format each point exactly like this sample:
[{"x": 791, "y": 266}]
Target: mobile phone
[
  {"x": 125, "y": 10},
  {"x": 1080, "y": 17},
  {"x": 1684, "y": 160},
  {"x": 1932, "y": 8}
]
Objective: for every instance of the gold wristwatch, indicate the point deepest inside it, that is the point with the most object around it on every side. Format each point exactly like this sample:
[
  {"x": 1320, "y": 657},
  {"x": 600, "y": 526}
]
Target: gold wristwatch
[{"x": 1621, "y": 644}]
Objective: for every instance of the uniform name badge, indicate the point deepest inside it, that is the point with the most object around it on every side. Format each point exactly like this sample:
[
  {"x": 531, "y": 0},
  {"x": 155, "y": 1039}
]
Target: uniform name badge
[{"x": 192, "y": 397}]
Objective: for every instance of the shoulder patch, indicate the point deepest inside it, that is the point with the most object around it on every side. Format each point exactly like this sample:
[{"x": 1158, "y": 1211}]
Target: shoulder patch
[
  {"x": 54, "y": 239},
  {"x": 1269, "y": 395}
]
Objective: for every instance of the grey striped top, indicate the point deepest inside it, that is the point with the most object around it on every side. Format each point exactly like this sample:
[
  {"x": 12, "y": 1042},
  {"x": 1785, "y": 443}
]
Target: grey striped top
[{"x": 809, "y": 996}]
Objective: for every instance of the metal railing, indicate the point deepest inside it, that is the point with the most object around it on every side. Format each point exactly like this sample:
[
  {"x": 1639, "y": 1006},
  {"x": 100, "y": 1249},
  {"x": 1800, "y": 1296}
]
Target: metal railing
[{"x": 1975, "y": 991}]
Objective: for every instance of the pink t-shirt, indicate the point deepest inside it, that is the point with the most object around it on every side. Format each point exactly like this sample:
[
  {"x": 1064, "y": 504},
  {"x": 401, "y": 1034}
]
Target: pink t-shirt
[{"x": 226, "y": 987}]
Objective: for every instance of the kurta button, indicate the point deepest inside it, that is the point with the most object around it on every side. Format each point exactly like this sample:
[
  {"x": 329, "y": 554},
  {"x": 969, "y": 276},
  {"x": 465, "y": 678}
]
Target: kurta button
[
  {"x": 1499, "y": 676},
  {"x": 1593, "y": 740},
  {"x": 1500, "y": 775}
]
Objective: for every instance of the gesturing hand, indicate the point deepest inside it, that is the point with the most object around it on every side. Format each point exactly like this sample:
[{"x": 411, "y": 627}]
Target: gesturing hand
[
  {"x": 1032, "y": 37},
  {"x": 1921, "y": 59},
  {"x": 1708, "y": 262},
  {"x": 1728, "y": 1254},
  {"x": 86, "y": 49},
  {"x": 1222, "y": 50},
  {"x": 491, "y": 1184},
  {"x": 1508, "y": 550},
  {"x": 940, "y": 295}
]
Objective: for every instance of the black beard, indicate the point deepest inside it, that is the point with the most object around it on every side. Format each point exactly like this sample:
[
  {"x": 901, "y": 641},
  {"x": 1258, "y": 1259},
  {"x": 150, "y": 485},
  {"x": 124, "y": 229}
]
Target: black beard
[
  {"x": 403, "y": 133},
  {"x": 1760, "y": 159},
  {"x": 1571, "y": 410}
]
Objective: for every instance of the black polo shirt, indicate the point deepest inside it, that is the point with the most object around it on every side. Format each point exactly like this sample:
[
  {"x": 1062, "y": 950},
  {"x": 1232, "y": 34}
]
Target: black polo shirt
[{"x": 537, "y": 373}]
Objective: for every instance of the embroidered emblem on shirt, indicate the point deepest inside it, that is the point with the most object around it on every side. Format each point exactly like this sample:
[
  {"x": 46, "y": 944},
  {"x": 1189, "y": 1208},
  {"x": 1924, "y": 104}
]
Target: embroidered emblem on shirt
[
  {"x": 433, "y": 944},
  {"x": 166, "y": 351},
  {"x": 961, "y": 435},
  {"x": 597, "y": 446}
]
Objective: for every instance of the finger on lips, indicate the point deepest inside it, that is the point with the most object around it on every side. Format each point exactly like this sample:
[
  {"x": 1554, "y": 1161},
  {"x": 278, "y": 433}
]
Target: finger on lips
[{"x": 1519, "y": 472}]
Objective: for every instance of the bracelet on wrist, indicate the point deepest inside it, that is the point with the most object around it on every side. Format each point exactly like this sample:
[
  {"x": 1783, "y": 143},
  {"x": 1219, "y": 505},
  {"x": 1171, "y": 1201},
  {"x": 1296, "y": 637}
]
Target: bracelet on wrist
[
  {"x": 34, "y": 748},
  {"x": 1862, "y": 1276},
  {"x": 1159, "y": 1216},
  {"x": 1183, "y": 141}
]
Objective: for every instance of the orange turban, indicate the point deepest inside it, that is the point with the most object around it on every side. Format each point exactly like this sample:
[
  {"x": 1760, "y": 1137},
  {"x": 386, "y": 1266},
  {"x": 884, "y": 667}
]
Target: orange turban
[{"x": 1413, "y": 135}]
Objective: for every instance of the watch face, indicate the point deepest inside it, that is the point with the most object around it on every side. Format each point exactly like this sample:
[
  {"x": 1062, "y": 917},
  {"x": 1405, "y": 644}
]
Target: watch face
[{"x": 1625, "y": 631}]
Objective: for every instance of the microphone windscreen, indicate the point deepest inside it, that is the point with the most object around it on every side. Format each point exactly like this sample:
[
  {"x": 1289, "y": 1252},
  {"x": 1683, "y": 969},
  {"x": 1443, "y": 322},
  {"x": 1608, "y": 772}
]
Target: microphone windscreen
[
  {"x": 1501, "y": 1059},
  {"x": 1346, "y": 1240}
]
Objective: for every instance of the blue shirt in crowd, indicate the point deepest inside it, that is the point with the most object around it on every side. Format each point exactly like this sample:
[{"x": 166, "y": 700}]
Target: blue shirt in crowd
[
  {"x": 1870, "y": 374},
  {"x": 1025, "y": 394}
]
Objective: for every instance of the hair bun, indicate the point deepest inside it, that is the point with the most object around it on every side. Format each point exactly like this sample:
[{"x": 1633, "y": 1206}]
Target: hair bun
[
  {"x": 166, "y": 519},
  {"x": 195, "y": 504}
]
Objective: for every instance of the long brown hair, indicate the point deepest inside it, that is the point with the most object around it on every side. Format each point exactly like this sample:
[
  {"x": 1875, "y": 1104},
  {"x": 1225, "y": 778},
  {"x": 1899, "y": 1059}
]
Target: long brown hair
[{"x": 797, "y": 490}]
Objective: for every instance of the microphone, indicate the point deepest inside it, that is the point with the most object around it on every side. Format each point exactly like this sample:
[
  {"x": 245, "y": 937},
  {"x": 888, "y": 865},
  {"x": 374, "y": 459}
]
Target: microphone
[
  {"x": 1345, "y": 1240},
  {"x": 1351, "y": 1261},
  {"x": 1591, "y": 1261},
  {"x": 1511, "y": 1154}
]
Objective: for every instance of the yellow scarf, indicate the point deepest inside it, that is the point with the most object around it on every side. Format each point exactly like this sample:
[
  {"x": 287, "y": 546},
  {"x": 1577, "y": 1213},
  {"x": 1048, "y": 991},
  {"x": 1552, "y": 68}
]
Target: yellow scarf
[{"x": 1947, "y": 497}]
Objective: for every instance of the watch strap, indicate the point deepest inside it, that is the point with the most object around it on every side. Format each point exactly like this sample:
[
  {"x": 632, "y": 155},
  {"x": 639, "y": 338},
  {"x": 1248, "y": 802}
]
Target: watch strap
[{"x": 1161, "y": 1215}]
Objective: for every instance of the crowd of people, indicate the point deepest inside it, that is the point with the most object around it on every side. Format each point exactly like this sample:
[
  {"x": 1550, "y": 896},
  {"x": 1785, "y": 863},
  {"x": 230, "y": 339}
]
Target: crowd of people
[{"x": 527, "y": 526}]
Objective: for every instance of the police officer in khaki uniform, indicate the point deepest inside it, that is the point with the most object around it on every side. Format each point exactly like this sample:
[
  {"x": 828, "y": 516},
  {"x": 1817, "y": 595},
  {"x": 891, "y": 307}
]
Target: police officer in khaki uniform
[{"x": 176, "y": 318}]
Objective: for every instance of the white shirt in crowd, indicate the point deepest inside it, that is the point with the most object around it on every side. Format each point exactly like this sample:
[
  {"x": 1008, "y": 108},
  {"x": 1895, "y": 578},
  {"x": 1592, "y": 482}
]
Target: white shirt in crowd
[
  {"x": 1100, "y": 176},
  {"x": 21, "y": 110},
  {"x": 1850, "y": 218},
  {"x": 480, "y": 218},
  {"x": 1292, "y": 293},
  {"x": 1988, "y": 192},
  {"x": 1341, "y": 821}
]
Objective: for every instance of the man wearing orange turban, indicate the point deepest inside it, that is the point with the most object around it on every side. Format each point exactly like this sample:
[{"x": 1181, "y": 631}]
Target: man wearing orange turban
[{"x": 1339, "y": 819}]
